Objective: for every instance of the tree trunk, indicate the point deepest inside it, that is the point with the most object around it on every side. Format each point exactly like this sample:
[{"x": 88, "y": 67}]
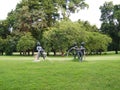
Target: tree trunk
[
  {"x": 54, "y": 53},
  {"x": 48, "y": 54},
  {"x": 20, "y": 52},
  {"x": 32, "y": 52},
  {"x": 62, "y": 53},
  {"x": 116, "y": 51},
  {"x": 28, "y": 52},
  {"x": 2, "y": 52}
]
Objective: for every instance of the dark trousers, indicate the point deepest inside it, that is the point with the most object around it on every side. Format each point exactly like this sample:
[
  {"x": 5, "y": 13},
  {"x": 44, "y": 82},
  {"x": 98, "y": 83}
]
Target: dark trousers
[{"x": 80, "y": 56}]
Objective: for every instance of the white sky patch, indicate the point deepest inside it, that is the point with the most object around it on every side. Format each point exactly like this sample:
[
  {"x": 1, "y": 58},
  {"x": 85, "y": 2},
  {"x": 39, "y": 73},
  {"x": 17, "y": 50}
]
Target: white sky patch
[
  {"x": 92, "y": 14},
  {"x": 6, "y": 6}
]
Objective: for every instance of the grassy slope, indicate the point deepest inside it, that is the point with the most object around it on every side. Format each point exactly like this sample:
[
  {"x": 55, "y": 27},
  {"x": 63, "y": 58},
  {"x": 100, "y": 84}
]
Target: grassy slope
[{"x": 96, "y": 73}]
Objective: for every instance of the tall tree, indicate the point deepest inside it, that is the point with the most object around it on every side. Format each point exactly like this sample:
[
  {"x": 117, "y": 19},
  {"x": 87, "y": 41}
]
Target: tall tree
[
  {"x": 2, "y": 45},
  {"x": 110, "y": 17},
  {"x": 4, "y": 29},
  {"x": 36, "y": 15}
]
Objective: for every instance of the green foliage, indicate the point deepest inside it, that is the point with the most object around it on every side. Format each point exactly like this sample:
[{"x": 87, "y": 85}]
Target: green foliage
[
  {"x": 4, "y": 29},
  {"x": 2, "y": 45},
  {"x": 107, "y": 10},
  {"x": 26, "y": 42},
  {"x": 88, "y": 26},
  {"x": 40, "y": 18},
  {"x": 64, "y": 35},
  {"x": 36, "y": 15},
  {"x": 9, "y": 45},
  {"x": 97, "y": 41},
  {"x": 110, "y": 18}
]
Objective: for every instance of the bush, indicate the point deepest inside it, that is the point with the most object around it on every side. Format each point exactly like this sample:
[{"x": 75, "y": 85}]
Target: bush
[
  {"x": 2, "y": 45},
  {"x": 26, "y": 43},
  {"x": 10, "y": 44}
]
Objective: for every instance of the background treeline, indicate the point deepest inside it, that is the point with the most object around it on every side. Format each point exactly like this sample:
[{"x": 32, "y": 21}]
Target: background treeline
[{"x": 47, "y": 21}]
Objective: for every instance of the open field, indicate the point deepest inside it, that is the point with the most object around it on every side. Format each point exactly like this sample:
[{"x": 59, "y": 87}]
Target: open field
[{"x": 60, "y": 73}]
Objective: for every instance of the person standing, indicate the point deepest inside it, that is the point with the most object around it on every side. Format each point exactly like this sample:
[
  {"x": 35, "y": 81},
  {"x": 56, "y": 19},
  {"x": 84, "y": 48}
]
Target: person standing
[
  {"x": 41, "y": 51},
  {"x": 82, "y": 49}
]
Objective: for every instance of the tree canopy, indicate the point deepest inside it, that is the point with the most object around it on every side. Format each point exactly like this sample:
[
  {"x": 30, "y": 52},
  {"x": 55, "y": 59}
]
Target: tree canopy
[
  {"x": 66, "y": 33},
  {"x": 26, "y": 43},
  {"x": 47, "y": 21},
  {"x": 110, "y": 18}
]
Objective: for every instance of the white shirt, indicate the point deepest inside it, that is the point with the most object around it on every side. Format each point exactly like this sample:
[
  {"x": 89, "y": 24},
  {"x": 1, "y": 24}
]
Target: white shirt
[{"x": 39, "y": 48}]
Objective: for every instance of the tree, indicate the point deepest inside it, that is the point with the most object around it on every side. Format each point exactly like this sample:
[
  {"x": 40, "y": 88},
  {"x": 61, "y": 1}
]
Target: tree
[
  {"x": 36, "y": 15},
  {"x": 26, "y": 44},
  {"x": 88, "y": 27},
  {"x": 4, "y": 29},
  {"x": 61, "y": 37},
  {"x": 66, "y": 33},
  {"x": 110, "y": 18},
  {"x": 9, "y": 45},
  {"x": 2, "y": 45},
  {"x": 97, "y": 42}
]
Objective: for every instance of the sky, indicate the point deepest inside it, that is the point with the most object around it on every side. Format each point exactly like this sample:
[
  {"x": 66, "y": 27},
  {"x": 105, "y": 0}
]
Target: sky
[
  {"x": 92, "y": 14},
  {"x": 6, "y": 6}
]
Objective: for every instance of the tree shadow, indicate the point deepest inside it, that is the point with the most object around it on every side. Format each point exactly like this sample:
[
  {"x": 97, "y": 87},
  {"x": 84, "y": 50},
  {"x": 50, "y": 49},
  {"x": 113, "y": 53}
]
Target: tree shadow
[{"x": 77, "y": 60}]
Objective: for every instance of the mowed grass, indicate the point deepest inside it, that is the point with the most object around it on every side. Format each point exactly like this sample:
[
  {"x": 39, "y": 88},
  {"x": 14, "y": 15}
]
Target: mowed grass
[{"x": 60, "y": 73}]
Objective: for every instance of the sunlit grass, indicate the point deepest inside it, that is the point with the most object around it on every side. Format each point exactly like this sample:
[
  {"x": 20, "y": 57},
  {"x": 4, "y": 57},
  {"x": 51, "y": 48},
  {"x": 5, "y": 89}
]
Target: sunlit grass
[{"x": 60, "y": 73}]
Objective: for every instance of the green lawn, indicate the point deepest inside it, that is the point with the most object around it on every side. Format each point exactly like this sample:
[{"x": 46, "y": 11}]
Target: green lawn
[{"x": 60, "y": 73}]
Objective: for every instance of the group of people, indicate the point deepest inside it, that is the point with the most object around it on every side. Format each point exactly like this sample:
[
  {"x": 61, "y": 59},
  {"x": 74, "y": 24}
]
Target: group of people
[{"x": 77, "y": 52}]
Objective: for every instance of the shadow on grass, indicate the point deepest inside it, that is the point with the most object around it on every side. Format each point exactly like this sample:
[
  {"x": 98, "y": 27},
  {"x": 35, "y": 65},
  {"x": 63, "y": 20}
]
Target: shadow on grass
[{"x": 77, "y": 60}]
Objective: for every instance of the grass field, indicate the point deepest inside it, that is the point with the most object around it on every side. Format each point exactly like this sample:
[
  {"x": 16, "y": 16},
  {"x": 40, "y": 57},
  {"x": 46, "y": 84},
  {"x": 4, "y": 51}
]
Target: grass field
[{"x": 60, "y": 73}]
